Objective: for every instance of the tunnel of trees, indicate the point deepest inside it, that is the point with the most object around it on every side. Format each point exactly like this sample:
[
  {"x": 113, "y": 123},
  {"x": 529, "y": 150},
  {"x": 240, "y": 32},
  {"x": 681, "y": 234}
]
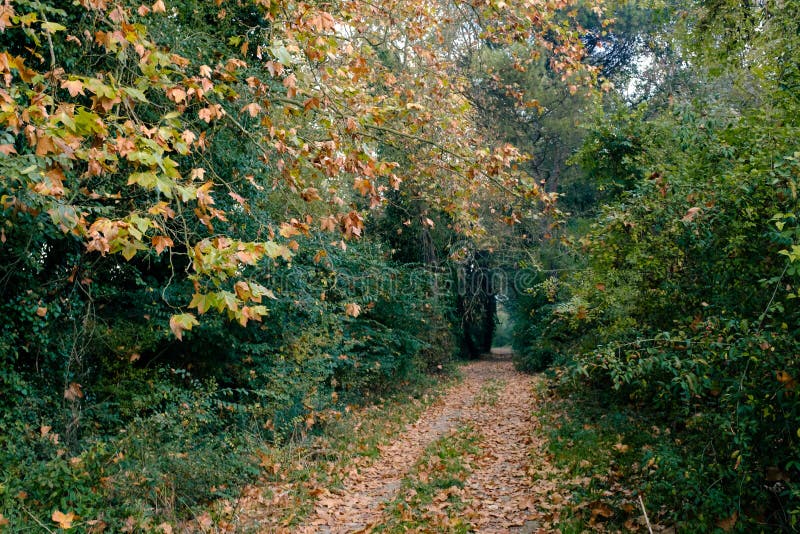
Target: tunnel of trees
[{"x": 222, "y": 223}]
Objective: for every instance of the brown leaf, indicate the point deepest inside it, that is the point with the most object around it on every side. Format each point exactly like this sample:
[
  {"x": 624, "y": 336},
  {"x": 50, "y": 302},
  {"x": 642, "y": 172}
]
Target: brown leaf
[
  {"x": 352, "y": 309},
  {"x": 252, "y": 109},
  {"x": 41, "y": 311},
  {"x": 728, "y": 524},
  {"x": 159, "y": 7},
  {"x": 160, "y": 242},
  {"x": 691, "y": 214},
  {"x": 73, "y": 392}
]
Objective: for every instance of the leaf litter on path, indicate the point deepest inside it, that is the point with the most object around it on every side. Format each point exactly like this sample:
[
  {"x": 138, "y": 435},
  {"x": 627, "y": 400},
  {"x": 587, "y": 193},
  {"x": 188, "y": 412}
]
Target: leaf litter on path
[{"x": 505, "y": 492}]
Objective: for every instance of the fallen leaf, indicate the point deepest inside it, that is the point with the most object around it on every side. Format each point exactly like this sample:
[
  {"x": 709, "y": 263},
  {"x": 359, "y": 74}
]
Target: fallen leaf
[
  {"x": 352, "y": 309},
  {"x": 73, "y": 392},
  {"x": 728, "y": 524},
  {"x": 691, "y": 213},
  {"x": 63, "y": 520},
  {"x": 621, "y": 448}
]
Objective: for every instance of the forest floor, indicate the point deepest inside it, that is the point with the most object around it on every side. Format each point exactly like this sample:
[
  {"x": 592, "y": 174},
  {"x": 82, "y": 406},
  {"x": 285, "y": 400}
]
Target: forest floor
[{"x": 472, "y": 460}]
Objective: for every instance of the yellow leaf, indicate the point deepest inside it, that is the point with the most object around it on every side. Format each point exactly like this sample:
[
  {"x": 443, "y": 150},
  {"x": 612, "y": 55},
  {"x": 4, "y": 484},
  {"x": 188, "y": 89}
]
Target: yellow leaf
[
  {"x": 64, "y": 520},
  {"x": 181, "y": 322}
]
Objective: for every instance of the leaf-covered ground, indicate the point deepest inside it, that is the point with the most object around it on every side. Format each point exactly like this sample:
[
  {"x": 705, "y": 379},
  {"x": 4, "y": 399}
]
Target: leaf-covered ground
[{"x": 474, "y": 460}]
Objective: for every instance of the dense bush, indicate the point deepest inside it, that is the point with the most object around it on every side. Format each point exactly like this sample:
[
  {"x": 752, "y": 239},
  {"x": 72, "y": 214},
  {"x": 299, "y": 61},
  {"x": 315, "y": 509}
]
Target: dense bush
[{"x": 685, "y": 306}]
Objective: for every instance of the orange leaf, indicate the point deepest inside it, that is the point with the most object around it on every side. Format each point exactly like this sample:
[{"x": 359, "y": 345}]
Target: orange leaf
[
  {"x": 161, "y": 242},
  {"x": 41, "y": 311},
  {"x": 75, "y": 87},
  {"x": 64, "y": 520},
  {"x": 352, "y": 309},
  {"x": 159, "y": 7}
]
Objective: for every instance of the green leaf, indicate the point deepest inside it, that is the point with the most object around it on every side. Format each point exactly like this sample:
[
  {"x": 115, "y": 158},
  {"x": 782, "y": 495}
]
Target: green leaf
[{"x": 53, "y": 27}]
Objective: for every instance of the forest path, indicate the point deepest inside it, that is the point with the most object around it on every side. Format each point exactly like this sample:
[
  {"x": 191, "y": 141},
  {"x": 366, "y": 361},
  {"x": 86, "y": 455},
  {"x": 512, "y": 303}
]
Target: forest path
[{"x": 503, "y": 490}]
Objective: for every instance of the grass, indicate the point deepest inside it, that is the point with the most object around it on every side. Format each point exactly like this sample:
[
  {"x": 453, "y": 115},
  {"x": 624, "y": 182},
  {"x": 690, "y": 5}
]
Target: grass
[
  {"x": 296, "y": 472},
  {"x": 608, "y": 456},
  {"x": 430, "y": 499}
]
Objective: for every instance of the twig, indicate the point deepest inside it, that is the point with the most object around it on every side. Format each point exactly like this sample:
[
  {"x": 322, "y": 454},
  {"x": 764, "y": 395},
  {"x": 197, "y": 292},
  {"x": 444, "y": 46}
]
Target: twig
[
  {"x": 37, "y": 520},
  {"x": 50, "y": 43},
  {"x": 644, "y": 511}
]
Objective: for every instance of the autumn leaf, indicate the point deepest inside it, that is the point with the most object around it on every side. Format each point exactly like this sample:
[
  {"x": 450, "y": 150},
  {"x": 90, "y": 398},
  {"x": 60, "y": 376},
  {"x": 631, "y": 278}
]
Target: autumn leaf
[
  {"x": 3, "y": 521},
  {"x": 41, "y": 311},
  {"x": 63, "y": 520},
  {"x": 252, "y": 109},
  {"x": 352, "y": 309},
  {"x": 621, "y": 448},
  {"x": 73, "y": 392},
  {"x": 75, "y": 87},
  {"x": 181, "y": 322},
  {"x": 728, "y": 523},
  {"x": 786, "y": 379},
  {"x": 159, "y": 7},
  {"x": 204, "y": 521},
  {"x": 691, "y": 213},
  {"x": 161, "y": 242}
]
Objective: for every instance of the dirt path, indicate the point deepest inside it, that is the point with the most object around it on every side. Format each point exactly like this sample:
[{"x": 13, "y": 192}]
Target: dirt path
[{"x": 502, "y": 493}]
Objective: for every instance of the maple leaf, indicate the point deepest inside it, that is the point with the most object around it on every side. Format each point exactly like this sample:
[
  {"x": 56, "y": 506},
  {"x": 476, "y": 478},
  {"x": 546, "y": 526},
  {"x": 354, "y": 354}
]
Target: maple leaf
[
  {"x": 160, "y": 242},
  {"x": 363, "y": 186},
  {"x": 73, "y": 392},
  {"x": 352, "y": 309},
  {"x": 253, "y": 109},
  {"x": 691, "y": 213},
  {"x": 188, "y": 137},
  {"x": 63, "y": 520},
  {"x": 181, "y": 322},
  {"x": 176, "y": 94},
  {"x": 75, "y": 87},
  {"x": 328, "y": 223}
]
